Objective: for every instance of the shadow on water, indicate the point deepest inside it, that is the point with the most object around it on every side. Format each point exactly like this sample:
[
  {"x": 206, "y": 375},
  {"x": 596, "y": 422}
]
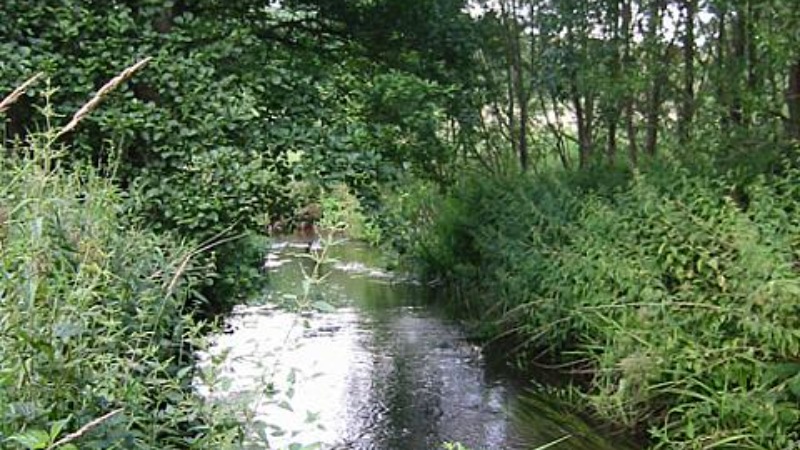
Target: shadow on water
[{"x": 382, "y": 371}]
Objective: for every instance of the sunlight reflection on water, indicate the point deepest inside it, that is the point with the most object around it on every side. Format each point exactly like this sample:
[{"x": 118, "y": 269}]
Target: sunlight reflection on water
[{"x": 376, "y": 373}]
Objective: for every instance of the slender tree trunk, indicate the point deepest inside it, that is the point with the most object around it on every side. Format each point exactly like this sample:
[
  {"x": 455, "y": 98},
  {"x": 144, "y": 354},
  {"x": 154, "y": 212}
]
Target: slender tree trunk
[
  {"x": 556, "y": 129},
  {"x": 653, "y": 117},
  {"x": 512, "y": 113},
  {"x": 736, "y": 110},
  {"x": 611, "y": 145},
  {"x": 753, "y": 77},
  {"x": 584, "y": 118},
  {"x": 627, "y": 60},
  {"x": 521, "y": 91},
  {"x": 630, "y": 127},
  {"x": 522, "y": 101},
  {"x": 583, "y": 151},
  {"x": 793, "y": 101},
  {"x": 658, "y": 77},
  {"x": 687, "y": 109},
  {"x": 613, "y": 106},
  {"x": 589, "y": 123},
  {"x": 722, "y": 65},
  {"x": 517, "y": 125}
]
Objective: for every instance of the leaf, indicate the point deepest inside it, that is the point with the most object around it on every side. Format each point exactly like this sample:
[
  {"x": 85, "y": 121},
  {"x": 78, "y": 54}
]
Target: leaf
[
  {"x": 183, "y": 372},
  {"x": 296, "y": 446},
  {"x": 311, "y": 417},
  {"x": 324, "y": 307},
  {"x": 56, "y": 428},
  {"x": 285, "y": 405},
  {"x": 66, "y": 330},
  {"x": 32, "y": 440},
  {"x": 794, "y": 386}
]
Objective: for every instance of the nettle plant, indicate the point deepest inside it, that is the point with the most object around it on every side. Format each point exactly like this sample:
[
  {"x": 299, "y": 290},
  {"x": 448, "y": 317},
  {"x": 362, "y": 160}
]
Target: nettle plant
[
  {"x": 95, "y": 343},
  {"x": 678, "y": 300}
]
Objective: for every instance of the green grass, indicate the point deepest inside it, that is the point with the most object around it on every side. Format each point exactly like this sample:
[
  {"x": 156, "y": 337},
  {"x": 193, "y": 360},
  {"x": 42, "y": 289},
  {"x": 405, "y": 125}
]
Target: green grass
[
  {"x": 95, "y": 343},
  {"x": 677, "y": 290}
]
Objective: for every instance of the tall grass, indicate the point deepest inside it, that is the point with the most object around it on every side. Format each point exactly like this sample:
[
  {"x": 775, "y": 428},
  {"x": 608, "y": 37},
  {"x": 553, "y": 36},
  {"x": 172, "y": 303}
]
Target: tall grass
[
  {"x": 676, "y": 291},
  {"x": 94, "y": 340}
]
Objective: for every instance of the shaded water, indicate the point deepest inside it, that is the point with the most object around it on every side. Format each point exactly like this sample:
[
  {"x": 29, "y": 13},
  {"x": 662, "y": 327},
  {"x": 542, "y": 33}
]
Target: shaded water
[{"x": 381, "y": 371}]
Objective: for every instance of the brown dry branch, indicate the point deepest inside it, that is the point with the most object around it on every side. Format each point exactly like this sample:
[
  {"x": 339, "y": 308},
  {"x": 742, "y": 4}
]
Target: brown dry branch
[
  {"x": 14, "y": 96},
  {"x": 92, "y": 104},
  {"x": 84, "y": 429}
]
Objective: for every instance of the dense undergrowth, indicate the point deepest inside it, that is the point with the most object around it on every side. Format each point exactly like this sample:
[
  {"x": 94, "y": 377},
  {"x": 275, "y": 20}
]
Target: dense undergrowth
[
  {"x": 95, "y": 339},
  {"x": 677, "y": 291}
]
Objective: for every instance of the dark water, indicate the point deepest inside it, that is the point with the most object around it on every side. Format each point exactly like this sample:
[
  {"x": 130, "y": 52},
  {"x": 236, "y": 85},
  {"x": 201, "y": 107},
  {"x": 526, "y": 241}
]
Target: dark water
[{"x": 379, "y": 371}]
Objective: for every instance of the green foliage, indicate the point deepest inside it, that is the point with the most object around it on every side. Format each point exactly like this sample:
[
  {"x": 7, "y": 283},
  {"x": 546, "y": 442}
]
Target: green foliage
[
  {"x": 342, "y": 212},
  {"x": 679, "y": 296},
  {"x": 618, "y": 78},
  {"x": 228, "y": 113},
  {"x": 95, "y": 344}
]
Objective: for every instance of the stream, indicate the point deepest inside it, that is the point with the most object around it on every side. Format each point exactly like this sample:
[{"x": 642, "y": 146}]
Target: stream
[{"x": 370, "y": 366}]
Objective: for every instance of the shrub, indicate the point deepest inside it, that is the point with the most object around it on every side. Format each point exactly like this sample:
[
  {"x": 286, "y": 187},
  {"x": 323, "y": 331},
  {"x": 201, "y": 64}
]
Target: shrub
[
  {"x": 95, "y": 344},
  {"x": 681, "y": 300}
]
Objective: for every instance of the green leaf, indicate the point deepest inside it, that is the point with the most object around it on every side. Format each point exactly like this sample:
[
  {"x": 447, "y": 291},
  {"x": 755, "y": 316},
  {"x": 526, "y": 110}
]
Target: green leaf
[
  {"x": 32, "y": 440},
  {"x": 794, "y": 386},
  {"x": 56, "y": 428},
  {"x": 285, "y": 405},
  {"x": 323, "y": 307}
]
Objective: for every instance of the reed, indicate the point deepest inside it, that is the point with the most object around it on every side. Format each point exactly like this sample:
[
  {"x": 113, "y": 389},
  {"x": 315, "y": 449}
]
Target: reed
[
  {"x": 676, "y": 307},
  {"x": 18, "y": 92},
  {"x": 104, "y": 91},
  {"x": 92, "y": 312}
]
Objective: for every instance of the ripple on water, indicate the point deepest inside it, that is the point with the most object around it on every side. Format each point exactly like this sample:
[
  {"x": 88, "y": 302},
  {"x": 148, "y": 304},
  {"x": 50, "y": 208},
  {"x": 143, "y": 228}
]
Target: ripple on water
[{"x": 376, "y": 375}]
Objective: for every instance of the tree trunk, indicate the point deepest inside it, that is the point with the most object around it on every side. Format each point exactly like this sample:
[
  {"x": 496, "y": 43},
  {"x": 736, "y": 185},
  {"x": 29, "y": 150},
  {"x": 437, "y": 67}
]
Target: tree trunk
[
  {"x": 512, "y": 113},
  {"x": 522, "y": 101},
  {"x": 657, "y": 77},
  {"x": 793, "y": 101},
  {"x": 611, "y": 145},
  {"x": 583, "y": 117},
  {"x": 687, "y": 108},
  {"x": 516, "y": 124},
  {"x": 736, "y": 110},
  {"x": 627, "y": 60},
  {"x": 653, "y": 117},
  {"x": 630, "y": 125},
  {"x": 722, "y": 64},
  {"x": 613, "y": 108}
]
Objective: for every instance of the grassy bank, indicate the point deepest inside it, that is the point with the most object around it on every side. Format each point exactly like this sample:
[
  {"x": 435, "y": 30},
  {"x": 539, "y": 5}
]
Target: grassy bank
[
  {"x": 95, "y": 339},
  {"x": 676, "y": 292}
]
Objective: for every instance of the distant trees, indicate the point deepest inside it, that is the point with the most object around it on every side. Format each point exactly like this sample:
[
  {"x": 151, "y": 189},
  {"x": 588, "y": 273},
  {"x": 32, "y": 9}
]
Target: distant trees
[
  {"x": 642, "y": 73},
  {"x": 575, "y": 82}
]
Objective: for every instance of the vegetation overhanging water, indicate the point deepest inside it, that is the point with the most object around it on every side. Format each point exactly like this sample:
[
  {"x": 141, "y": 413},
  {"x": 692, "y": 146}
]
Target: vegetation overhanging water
[
  {"x": 609, "y": 185},
  {"x": 381, "y": 370}
]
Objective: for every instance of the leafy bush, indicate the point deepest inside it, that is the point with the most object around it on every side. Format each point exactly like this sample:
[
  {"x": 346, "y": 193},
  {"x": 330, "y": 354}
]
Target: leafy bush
[
  {"x": 677, "y": 290},
  {"x": 342, "y": 211},
  {"x": 95, "y": 344}
]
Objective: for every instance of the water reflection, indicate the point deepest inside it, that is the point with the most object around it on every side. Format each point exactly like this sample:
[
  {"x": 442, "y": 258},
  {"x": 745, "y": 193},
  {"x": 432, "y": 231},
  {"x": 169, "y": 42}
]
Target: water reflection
[{"x": 383, "y": 372}]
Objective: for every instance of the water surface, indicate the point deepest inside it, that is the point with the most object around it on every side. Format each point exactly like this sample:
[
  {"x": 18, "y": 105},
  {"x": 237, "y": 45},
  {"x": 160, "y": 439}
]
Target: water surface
[{"x": 380, "y": 370}]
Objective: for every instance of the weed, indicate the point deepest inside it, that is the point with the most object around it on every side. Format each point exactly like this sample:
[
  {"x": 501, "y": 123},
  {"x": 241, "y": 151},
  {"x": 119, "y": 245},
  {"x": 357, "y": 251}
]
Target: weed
[
  {"x": 680, "y": 303},
  {"x": 94, "y": 339}
]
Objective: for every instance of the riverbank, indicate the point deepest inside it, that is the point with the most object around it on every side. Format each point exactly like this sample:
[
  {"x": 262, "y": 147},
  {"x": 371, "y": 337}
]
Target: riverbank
[
  {"x": 94, "y": 320},
  {"x": 676, "y": 293}
]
